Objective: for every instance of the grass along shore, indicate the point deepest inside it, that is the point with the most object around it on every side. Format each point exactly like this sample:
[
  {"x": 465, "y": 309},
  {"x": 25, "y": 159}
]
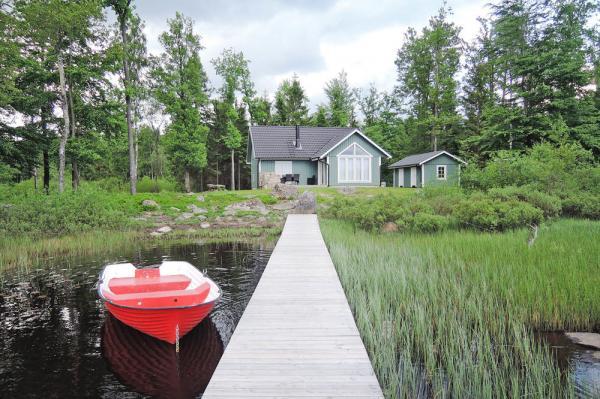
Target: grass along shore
[
  {"x": 26, "y": 251},
  {"x": 453, "y": 314}
]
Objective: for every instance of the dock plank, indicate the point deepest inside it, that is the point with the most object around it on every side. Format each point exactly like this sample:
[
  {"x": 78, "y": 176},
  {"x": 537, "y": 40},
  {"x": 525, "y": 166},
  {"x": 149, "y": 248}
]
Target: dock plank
[{"x": 297, "y": 337}]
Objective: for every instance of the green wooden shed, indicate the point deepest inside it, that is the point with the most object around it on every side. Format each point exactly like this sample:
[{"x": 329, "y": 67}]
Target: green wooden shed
[{"x": 429, "y": 168}]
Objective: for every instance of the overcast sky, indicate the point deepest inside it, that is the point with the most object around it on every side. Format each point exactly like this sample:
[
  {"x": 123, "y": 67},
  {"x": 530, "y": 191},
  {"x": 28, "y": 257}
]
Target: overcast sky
[{"x": 314, "y": 39}]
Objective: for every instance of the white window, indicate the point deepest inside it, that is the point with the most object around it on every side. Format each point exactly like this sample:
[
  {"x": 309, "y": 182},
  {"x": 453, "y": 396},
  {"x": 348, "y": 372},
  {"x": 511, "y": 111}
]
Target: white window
[
  {"x": 354, "y": 165},
  {"x": 283, "y": 167},
  {"x": 441, "y": 172}
]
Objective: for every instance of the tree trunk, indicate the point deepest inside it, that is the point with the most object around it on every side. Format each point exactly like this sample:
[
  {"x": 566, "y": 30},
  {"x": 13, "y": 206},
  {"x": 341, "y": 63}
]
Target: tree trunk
[
  {"x": 46, "y": 171},
  {"x": 232, "y": 170},
  {"x": 217, "y": 171},
  {"x": 65, "y": 134},
  {"x": 35, "y": 178},
  {"x": 46, "y": 157},
  {"x": 186, "y": 179},
  {"x": 130, "y": 131},
  {"x": 239, "y": 170},
  {"x": 74, "y": 167}
]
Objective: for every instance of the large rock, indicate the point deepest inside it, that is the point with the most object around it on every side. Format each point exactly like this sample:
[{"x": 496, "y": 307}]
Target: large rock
[
  {"x": 306, "y": 203},
  {"x": 185, "y": 216},
  {"x": 200, "y": 198},
  {"x": 147, "y": 203},
  {"x": 196, "y": 209},
  {"x": 164, "y": 229},
  {"x": 253, "y": 204},
  {"x": 204, "y": 225},
  {"x": 284, "y": 206},
  {"x": 389, "y": 227},
  {"x": 285, "y": 191},
  {"x": 591, "y": 340}
]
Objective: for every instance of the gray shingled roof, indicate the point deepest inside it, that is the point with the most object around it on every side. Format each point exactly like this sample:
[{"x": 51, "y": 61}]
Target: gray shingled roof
[
  {"x": 415, "y": 159},
  {"x": 277, "y": 142}
]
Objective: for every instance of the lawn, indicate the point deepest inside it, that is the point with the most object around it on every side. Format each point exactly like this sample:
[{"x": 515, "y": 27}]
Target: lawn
[{"x": 453, "y": 314}]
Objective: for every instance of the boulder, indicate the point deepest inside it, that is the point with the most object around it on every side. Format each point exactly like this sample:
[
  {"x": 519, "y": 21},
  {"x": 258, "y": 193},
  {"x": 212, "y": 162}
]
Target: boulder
[
  {"x": 306, "y": 203},
  {"x": 253, "y": 204},
  {"x": 285, "y": 191},
  {"x": 204, "y": 225},
  {"x": 200, "y": 198},
  {"x": 175, "y": 209},
  {"x": 147, "y": 203},
  {"x": 155, "y": 234},
  {"x": 164, "y": 229},
  {"x": 389, "y": 227},
  {"x": 284, "y": 206},
  {"x": 196, "y": 209},
  {"x": 591, "y": 340},
  {"x": 202, "y": 217},
  {"x": 185, "y": 216}
]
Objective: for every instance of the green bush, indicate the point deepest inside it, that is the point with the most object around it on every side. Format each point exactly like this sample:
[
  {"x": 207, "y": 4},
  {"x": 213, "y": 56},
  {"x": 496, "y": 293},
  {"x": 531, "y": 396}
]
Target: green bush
[
  {"x": 148, "y": 185},
  {"x": 428, "y": 223},
  {"x": 69, "y": 212},
  {"x": 582, "y": 205},
  {"x": 549, "y": 204},
  {"x": 487, "y": 214}
]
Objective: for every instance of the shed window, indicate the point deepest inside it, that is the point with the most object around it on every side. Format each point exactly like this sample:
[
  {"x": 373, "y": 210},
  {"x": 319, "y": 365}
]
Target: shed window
[
  {"x": 441, "y": 172},
  {"x": 354, "y": 165}
]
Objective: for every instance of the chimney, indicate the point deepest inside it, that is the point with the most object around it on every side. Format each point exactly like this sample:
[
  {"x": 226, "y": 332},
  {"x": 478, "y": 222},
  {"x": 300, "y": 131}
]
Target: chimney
[{"x": 297, "y": 143}]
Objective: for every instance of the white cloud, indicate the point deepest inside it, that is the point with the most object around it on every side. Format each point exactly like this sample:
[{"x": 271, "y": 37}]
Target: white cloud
[{"x": 313, "y": 39}]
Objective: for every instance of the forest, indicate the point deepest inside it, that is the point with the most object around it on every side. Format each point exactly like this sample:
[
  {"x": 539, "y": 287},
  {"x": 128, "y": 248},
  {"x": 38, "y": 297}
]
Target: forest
[{"x": 82, "y": 98}]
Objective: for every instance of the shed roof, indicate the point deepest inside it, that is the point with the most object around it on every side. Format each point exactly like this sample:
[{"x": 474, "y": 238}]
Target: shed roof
[
  {"x": 419, "y": 159},
  {"x": 277, "y": 142}
]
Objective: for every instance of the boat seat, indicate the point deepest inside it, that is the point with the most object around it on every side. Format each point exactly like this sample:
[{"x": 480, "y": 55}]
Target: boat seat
[
  {"x": 161, "y": 299},
  {"x": 148, "y": 282}
]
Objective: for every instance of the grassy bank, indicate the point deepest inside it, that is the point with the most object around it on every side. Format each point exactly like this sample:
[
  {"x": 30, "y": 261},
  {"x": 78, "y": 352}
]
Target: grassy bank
[
  {"x": 452, "y": 314},
  {"x": 26, "y": 251}
]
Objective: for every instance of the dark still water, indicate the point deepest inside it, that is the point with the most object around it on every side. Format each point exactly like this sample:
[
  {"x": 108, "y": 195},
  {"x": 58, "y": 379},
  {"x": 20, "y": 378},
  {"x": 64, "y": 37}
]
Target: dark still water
[{"x": 58, "y": 341}]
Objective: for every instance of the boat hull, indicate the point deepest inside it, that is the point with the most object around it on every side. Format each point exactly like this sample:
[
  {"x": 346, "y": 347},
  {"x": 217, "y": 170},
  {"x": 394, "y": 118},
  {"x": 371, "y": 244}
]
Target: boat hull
[{"x": 167, "y": 324}]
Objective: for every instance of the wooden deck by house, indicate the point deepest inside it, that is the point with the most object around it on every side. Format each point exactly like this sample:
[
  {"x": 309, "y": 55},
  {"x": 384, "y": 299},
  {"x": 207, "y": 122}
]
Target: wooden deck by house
[{"x": 297, "y": 337}]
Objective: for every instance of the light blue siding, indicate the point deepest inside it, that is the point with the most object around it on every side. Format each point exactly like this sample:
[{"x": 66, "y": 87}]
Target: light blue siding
[
  {"x": 305, "y": 169},
  {"x": 375, "y": 161},
  {"x": 452, "y": 171}
]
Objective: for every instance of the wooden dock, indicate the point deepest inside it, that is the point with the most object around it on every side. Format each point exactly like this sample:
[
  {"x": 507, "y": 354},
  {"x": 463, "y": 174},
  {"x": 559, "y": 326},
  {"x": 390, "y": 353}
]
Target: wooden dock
[{"x": 297, "y": 337}]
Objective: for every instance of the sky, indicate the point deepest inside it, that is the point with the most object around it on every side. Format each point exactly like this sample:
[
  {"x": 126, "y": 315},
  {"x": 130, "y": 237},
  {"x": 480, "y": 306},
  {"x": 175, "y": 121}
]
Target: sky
[{"x": 314, "y": 39}]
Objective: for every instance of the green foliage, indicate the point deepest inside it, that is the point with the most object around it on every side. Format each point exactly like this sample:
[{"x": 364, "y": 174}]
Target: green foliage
[
  {"x": 427, "y": 67},
  {"x": 148, "y": 185},
  {"x": 290, "y": 103},
  {"x": 341, "y": 101},
  {"x": 458, "y": 311},
  {"x": 71, "y": 212},
  {"x": 583, "y": 205},
  {"x": 481, "y": 212},
  {"x": 180, "y": 85},
  {"x": 549, "y": 204}
]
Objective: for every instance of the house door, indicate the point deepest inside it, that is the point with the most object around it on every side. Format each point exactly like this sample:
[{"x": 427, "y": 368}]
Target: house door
[{"x": 283, "y": 167}]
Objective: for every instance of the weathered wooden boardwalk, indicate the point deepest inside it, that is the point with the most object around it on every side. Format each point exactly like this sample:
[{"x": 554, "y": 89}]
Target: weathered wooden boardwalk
[{"x": 297, "y": 337}]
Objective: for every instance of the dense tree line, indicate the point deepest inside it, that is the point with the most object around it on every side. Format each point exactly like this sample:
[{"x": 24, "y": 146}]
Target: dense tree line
[{"x": 82, "y": 95}]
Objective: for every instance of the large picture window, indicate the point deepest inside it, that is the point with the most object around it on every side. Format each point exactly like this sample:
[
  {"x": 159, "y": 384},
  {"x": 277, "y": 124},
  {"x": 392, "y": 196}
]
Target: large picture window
[{"x": 354, "y": 165}]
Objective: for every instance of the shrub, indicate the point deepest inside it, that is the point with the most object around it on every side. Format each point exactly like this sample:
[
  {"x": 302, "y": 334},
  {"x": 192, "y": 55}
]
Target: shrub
[
  {"x": 487, "y": 214},
  {"x": 549, "y": 204},
  {"x": 582, "y": 205},
  {"x": 428, "y": 223},
  {"x": 148, "y": 185}
]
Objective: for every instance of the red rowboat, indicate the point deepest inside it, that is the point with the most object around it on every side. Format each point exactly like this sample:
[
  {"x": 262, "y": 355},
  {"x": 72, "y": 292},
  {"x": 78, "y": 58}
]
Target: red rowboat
[{"x": 165, "y": 302}]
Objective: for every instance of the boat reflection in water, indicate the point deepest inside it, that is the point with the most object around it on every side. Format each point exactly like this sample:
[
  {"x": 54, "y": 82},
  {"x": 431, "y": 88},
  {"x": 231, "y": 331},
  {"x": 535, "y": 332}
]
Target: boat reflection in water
[{"x": 152, "y": 367}]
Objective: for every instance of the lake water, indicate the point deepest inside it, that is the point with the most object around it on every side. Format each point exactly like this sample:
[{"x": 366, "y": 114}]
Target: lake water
[{"x": 58, "y": 341}]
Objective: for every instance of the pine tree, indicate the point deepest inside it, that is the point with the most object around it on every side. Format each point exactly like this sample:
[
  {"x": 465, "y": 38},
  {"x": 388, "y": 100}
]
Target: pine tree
[
  {"x": 341, "y": 101},
  {"x": 427, "y": 67},
  {"x": 291, "y": 103},
  {"x": 180, "y": 85}
]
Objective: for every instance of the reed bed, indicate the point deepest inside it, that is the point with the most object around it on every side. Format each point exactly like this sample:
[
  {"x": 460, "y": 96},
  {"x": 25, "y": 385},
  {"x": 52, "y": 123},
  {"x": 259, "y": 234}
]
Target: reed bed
[
  {"x": 453, "y": 314},
  {"x": 27, "y": 251}
]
